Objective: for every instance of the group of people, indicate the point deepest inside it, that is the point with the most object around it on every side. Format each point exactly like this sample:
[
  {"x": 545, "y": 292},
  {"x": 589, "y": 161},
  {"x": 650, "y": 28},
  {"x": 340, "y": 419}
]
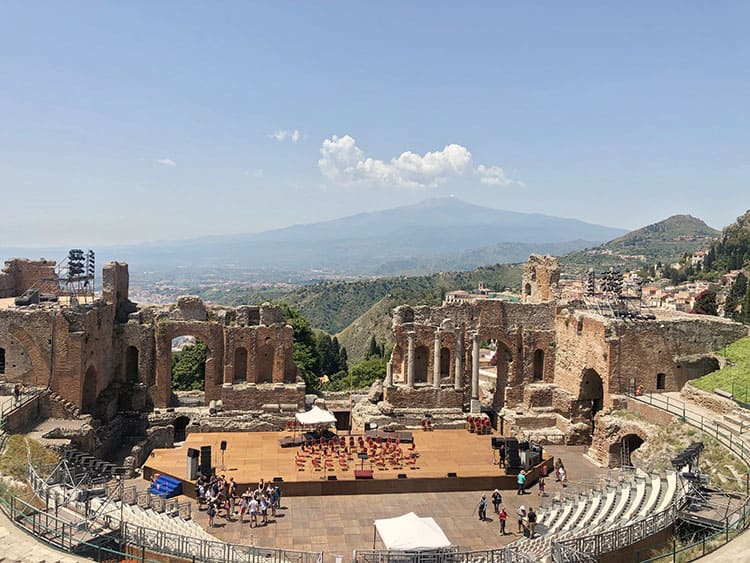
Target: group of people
[
  {"x": 526, "y": 518},
  {"x": 221, "y": 495}
]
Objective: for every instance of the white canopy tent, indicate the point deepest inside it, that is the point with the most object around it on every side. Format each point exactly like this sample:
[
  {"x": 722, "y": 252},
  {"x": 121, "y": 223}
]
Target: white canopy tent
[
  {"x": 411, "y": 533},
  {"x": 315, "y": 416}
]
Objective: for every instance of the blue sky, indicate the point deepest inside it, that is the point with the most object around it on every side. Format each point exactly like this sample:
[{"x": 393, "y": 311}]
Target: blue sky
[{"x": 132, "y": 121}]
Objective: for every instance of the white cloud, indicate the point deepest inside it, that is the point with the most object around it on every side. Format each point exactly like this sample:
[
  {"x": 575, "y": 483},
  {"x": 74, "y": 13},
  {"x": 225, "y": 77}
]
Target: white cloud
[
  {"x": 492, "y": 175},
  {"x": 165, "y": 162},
  {"x": 342, "y": 161},
  {"x": 284, "y": 134}
]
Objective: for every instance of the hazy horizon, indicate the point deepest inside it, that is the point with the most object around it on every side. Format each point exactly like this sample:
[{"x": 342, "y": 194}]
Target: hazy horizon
[{"x": 142, "y": 122}]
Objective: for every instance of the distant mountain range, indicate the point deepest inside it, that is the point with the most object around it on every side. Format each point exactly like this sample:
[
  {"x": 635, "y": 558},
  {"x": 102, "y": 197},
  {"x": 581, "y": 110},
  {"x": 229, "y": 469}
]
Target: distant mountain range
[{"x": 434, "y": 235}]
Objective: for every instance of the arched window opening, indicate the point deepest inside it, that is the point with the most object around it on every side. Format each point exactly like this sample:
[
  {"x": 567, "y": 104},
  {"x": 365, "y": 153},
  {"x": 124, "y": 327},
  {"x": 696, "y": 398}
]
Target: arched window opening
[
  {"x": 131, "y": 365},
  {"x": 421, "y": 360},
  {"x": 539, "y": 365},
  {"x": 240, "y": 365}
]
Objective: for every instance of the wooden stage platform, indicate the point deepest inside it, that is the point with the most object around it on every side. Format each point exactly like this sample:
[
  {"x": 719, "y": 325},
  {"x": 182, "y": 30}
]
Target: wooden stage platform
[{"x": 251, "y": 456}]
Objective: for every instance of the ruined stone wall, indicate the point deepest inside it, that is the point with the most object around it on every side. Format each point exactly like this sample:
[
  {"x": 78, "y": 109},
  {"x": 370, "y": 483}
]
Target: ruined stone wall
[
  {"x": 524, "y": 332},
  {"x": 580, "y": 344},
  {"x": 115, "y": 282},
  {"x": 541, "y": 276},
  {"x": 253, "y": 397},
  {"x": 425, "y": 397},
  {"x": 647, "y": 348},
  {"x": 81, "y": 339},
  {"x": 19, "y": 274}
]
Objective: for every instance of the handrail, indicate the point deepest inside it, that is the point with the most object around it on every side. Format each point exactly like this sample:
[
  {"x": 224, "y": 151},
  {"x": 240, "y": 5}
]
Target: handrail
[
  {"x": 25, "y": 398},
  {"x": 615, "y": 538},
  {"x": 724, "y": 435}
]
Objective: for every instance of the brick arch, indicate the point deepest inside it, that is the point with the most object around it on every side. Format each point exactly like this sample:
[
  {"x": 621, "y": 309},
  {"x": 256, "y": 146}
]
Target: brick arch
[
  {"x": 39, "y": 361},
  {"x": 211, "y": 334},
  {"x": 614, "y": 443}
]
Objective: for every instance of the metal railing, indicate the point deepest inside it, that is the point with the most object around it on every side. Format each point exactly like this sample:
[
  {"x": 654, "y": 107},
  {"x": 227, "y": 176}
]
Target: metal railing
[
  {"x": 179, "y": 545},
  {"x": 10, "y": 404},
  {"x": 506, "y": 554},
  {"x": 58, "y": 533},
  {"x": 734, "y": 524},
  {"x": 615, "y": 538},
  {"x": 716, "y": 429}
]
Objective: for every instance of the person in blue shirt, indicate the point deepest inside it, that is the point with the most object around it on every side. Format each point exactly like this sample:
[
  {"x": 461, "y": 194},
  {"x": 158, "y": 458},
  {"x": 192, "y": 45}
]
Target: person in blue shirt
[{"x": 521, "y": 482}]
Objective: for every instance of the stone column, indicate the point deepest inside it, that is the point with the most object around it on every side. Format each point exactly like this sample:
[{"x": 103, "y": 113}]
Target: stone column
[
  {"x": 436, "y": 362},
  {"x": 475, "y": 366},
  {"x": 388, "y": 374},
  {"x": 458, "y": 376},
  {"x": 410, "y": 359}
]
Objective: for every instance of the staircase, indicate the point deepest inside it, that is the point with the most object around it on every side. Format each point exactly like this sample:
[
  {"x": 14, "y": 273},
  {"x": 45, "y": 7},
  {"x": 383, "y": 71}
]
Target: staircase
[{"x": 166, "y": 487}]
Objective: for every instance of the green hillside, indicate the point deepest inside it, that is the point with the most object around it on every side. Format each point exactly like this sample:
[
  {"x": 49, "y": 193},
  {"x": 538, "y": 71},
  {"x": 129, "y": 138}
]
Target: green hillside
[
  {"x": 666, "y": 241},
  {"x": 333, "y": 305},
  {"x": 376, "y": 321}
]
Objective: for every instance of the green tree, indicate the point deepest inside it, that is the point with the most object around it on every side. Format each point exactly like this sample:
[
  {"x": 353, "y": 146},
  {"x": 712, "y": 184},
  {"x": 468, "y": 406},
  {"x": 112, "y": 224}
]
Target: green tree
[
  {"x": 739, "y": 287},
  {"x": 306, "y": 355},
  {"x": 189, "y": 368},
  {"x": 705, "y": 303}
]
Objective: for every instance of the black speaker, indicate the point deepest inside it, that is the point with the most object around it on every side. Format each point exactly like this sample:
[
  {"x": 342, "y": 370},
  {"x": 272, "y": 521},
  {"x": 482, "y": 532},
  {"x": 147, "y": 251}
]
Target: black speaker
[
  {"x": 332, "y": 478},
  {"x": 278, "y": 479},
  {"x": 497, "y": 442},
  {"x": 206, "y": 460},
  {"x": 402, "y": 475},
  {"x": 452, "y": 475},
  {"x": 192, "y": 452},
  {"x": 223, "y": 445}
]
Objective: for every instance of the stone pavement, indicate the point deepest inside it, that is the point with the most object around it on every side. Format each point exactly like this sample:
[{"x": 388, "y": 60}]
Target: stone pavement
[{"x": 339, "y": 524}]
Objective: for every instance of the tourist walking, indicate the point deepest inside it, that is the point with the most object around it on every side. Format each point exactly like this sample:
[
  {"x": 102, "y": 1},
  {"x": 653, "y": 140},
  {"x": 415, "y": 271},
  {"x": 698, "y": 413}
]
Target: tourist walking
[
  {"x": 502, "y": 516},
  {"x": 521, "y": 512},
  {"x": 211, "y": 513},
  {"x": 497, "y": 498},
  {"x": 521, "y": 482},
  {"x": 541, "y": 486},
  {"x": 502, "y": 455},
  {"x": 483, "y": 508},
  {"x": 253, "y": 507},
  {"x": 531, "y": 517}
]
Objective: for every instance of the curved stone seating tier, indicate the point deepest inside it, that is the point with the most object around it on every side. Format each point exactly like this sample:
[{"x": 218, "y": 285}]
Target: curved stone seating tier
[{"x": 602, "y": 509}]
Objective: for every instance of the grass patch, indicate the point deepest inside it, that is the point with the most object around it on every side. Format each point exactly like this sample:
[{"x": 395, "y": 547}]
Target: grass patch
[
  {"x": 725, "y": 470},
  {"x": 737, "y": 374},
  {"x": 13, "y": 459},
  {"x": 627, "y": 415}
]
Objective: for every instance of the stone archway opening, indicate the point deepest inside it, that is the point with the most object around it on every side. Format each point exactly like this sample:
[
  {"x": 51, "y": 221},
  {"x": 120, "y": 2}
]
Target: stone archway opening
[
  {"x": 264, "y": 361},
  {"x": 538, "y": 365},
  {"x": 592, "y": 391},
  {"x": 180, "y": 428},
  {"x": 421, "y": 361},
  {"x": 620, "y": 452},
  {"x": 189, "y": 357},
  {"x": 445, "y": 362},
  {"x": 88, "y": 399},
  {"x": 503, "y": 361},
  {"x": 131, "y": 365},
  {"x": 240, "y": 365},
  {"x": 2, "y": 360}
]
